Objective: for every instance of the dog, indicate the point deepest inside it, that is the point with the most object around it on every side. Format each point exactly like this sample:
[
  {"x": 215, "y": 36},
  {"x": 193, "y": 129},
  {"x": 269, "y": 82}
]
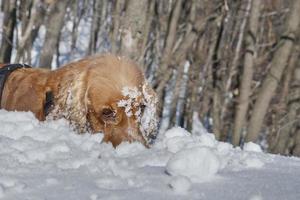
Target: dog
[{"x": 105, "y": 93}]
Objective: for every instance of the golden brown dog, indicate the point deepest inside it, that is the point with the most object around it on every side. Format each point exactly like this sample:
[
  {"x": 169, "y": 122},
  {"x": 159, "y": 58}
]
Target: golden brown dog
[{"x": 104, "y": 94}]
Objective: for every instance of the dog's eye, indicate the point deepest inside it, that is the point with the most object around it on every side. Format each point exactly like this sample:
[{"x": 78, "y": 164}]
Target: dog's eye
[
  {"x": 108, "y": 113},
  {"x": 143, "y": 107}
]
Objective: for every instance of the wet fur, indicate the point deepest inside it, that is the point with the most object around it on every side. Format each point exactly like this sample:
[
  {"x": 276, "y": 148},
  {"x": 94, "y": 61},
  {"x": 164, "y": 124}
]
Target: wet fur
[{"x": 81, "y": 91}]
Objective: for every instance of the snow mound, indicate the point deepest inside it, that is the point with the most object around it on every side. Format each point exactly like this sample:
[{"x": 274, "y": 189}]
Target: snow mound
[
  {"x": 39, "y": 157},
  {"x": 250, "y": 146},
  {"x": 197, "y": 163}
]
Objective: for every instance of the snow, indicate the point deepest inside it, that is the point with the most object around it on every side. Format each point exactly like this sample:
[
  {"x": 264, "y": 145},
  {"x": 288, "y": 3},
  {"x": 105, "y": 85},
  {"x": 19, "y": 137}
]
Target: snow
[
  {"x": 180, "y": 184},
  {"x": 47, "y": 160},
  {"x": 250, "y": 146},
  {"x": 197, "y": 164},
  {"x": 132, "y": 93}
]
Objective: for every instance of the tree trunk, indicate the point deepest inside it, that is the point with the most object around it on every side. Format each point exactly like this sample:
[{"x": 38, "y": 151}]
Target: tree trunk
[
  {"x": 147, "y": 30},
  {"x": 96, "y": 19},
  {"x": 180, "y": 61},
  {"x": 237, "y": 54},
  {"x": 116, "y": 25},
  {"x": 30, "y": 29},
  {"x": 278, "y": 64},
  {"x": 78, "y": 12},
  {"x": 217, "y": 79},
  {"x": 296, "y": 147},
  {"x": 9, "y": 22},
  {"x": 284, "y": 133},
  {"x": 54, "y": 25},
  {"x": 163, "y": 73},
  {"x": 245, "y": 87},
  {"x": 132, "y": 29}
]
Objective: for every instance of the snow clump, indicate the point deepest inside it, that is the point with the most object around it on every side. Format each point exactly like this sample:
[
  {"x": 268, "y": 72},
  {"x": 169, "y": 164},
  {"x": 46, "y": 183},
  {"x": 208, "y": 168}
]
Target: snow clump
[
  {"x": 250, "y": 146},
  {"x": 197, "y": 163}
]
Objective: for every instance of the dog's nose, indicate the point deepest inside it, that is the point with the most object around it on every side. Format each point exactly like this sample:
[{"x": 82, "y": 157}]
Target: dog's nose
[{"x": 152, "y": 136}]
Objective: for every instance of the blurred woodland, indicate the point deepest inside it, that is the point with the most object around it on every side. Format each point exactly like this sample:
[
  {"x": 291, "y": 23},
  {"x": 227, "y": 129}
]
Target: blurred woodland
[{"x": 232, "y": 64}]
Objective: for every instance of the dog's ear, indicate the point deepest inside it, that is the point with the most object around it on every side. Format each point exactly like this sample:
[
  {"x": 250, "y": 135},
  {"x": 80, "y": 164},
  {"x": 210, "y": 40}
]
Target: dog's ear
[{"x": 71, "y": 99}]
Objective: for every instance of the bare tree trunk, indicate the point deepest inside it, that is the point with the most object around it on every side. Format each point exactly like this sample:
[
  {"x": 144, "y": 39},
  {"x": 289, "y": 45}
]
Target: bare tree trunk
[
  {"x": 180, "y": 61},
  {"x": 146, "y": 33},
  {"x": 237, "y": 54},
  {"x": 30, "y": 29},
  {"x": 217, "y": 77},
  {"x": 183, "y": 101},
  {"x": 55, "y": 22},
  {"x": 278, "y": 65},
  {"x": 193, "y": 94},
  {"x": 294, "y": 111},
  {"x": 25, "y": 13},
  {"x": 9, "y": 22},
  {"x": 78, "y": 13},
  {"x": 207, "y": 74},
  {"x": 26, "y": 9},
  {"x": 284, "y": 133},
  {"x": 163, "y": 73},
  {"x": 96, "y": 19},
  {"x": 296, "y": 143},
  {"x": 116, "y": 25},
  {"x": 132, "y": 28},
  {"x": 176, "y": 92},
  {"x": 245, "y": 87}
]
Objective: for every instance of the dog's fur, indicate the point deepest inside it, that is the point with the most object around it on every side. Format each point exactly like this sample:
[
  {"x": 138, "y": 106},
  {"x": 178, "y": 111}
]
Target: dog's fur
[{"x": 87, "y": 93}]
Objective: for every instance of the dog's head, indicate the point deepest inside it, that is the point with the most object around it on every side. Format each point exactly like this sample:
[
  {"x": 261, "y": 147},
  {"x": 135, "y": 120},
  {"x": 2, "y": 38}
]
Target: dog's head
[
  {"x": 119, "y": 101},
  {"x": 126, "y": 116}
]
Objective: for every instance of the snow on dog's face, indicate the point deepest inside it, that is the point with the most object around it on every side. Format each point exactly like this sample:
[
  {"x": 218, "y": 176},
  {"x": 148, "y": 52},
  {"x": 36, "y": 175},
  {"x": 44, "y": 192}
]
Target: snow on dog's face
[
  {"x": 121, "y": 104},
  {"x": 129, "y": 117},
  {"x": 141, "y": 107}
]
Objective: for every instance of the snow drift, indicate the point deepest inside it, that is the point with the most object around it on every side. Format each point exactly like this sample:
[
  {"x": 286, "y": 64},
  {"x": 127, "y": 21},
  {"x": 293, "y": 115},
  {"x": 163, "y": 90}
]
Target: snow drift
[{"x": 46, "y": 160}]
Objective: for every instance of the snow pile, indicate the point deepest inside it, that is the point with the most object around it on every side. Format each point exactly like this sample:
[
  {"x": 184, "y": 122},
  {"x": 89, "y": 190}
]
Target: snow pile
[
  {"x": 200, "y": 157},
  {"x": 197, "y": 163},
  {"x": 37, "y": 158},
  {"x": 250, "y": 146},
  {"x": 193, "y": 157}
]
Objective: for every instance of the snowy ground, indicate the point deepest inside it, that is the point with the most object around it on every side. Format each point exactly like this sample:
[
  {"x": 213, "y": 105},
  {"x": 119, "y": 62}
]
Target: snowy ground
[{"x": 49, "y": 161}]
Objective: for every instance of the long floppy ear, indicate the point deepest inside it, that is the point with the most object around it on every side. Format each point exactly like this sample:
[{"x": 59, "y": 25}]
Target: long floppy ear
[
  {"x": 149, "y": 94},
  {"x": 77, "y": 106},
  {"x": 71, "y": 100},
  {"x": 149, "y": 119}
]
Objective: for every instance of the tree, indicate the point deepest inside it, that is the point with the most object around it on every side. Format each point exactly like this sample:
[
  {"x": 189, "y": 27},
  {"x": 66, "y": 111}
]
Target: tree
[
  {"x": 54, "y": 25},
  {"x": 278, "y": 65},
  {"x": 246, "y": 80},
  {"x": 133, "y": 29},
  {"x": 30, "y": 27},
  {"x": 9, "y": 21}
]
